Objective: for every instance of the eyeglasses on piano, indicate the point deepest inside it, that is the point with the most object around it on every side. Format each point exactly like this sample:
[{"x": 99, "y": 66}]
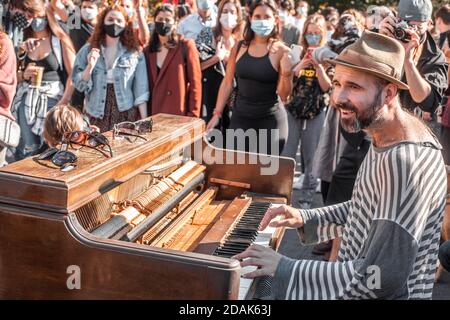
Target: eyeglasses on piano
[
  {"x": 133, "y": 130},
  {"x": 90, "y": 139},
  {"x": 63, "y": 158}
]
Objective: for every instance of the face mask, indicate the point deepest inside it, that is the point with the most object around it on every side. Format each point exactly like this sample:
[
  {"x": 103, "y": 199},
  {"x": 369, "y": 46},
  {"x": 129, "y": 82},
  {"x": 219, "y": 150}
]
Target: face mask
[
  {"x": 262, "y": 27},
  {"x": 21, "y": 21},
  {"x": 89, "y": 14},
  {"x": 228, "y": 20},
  {"x": 204, "y": 4},
  {"x": 302, "y": 10},
  {"x": 163, "y": 28},
  {"x": 313, "y": 40},
  {"x": 282, "y": 14},
  {"x": 39, "y": 24},
  {"x": 130, "y": 12},
  {"x": 329, "y": 34},
  {"x": 113, "y": 30}
]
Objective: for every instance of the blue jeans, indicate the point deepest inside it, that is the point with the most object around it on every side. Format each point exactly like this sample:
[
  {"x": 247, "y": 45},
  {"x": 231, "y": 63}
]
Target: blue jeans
[
  {"x": 29, "y": 144},
  {"x": 307, "y": 134}
]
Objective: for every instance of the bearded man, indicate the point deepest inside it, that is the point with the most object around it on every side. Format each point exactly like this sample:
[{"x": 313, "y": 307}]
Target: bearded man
[{"x": 391, "y": 226}]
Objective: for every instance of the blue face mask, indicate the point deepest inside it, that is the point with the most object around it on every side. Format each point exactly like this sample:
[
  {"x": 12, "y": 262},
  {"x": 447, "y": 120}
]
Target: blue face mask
[
  {"x": 313, "y": 40},
  {"x": 262, "y": 28},
  {"x": 39, "y": 24}
]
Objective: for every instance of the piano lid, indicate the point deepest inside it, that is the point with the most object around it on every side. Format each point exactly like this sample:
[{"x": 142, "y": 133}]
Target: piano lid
[{"x": 40, "y": 184}]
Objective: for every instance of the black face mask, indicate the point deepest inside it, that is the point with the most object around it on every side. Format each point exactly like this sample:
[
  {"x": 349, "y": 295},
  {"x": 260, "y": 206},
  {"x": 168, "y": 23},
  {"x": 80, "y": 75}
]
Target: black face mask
[
  {"x": 163, "y": 28},
  {"x": 114, "y": 30},
  {"x": 20, "y": 20}
]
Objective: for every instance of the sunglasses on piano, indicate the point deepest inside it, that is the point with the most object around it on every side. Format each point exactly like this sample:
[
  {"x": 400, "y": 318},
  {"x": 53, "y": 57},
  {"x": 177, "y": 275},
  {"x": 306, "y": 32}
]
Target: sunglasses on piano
[
  {"x": 133, "y": 130},
  {"x": 89, "y": 139},
  {"x": 62, "y": 158}
]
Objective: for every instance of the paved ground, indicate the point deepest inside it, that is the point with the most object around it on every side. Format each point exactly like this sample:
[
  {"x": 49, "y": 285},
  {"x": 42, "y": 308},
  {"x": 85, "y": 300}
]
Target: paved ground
[{"x": 291, "y": 247}]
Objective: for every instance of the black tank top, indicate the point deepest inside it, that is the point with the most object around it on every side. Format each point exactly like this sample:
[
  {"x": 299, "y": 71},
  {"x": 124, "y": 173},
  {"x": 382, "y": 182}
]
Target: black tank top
[
  {"x": 51, "y": 66},
  {"x": 257, "y": 85}
]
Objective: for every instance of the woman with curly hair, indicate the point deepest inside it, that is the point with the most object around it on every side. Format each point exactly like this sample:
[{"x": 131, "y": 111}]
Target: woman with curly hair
[{"x": 111, "y": 72}]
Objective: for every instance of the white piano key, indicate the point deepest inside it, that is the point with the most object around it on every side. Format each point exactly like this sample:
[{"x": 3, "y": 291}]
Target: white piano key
[{"x": 263, "y": 238}]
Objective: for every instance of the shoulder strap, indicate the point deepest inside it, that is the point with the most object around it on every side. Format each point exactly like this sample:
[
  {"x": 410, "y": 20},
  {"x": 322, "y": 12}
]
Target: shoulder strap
[
  {"x": 239, "y": 46},
  {"x": 56, "y": 45}
]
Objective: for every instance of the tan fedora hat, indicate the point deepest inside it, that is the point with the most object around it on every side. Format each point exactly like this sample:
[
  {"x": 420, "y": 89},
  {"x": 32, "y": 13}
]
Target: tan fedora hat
[{"x": 376, "y": 54}]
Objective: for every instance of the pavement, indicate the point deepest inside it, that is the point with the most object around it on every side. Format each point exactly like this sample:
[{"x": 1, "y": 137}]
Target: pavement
[{"x": 291, "y": 247}]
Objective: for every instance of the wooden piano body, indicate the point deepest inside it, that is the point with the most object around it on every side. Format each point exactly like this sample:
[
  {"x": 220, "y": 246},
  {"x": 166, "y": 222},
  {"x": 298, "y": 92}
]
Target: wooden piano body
[{"x": 45, "y": 250}]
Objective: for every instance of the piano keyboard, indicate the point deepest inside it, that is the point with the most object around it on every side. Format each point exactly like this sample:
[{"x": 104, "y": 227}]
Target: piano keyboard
[
  {"x": 245, "y": 232},
  {"x": 241, "y": 237}
]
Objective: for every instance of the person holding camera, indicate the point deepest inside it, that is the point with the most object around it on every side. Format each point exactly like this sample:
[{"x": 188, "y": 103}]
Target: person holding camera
[
  {"x": 309, "y": 100},
  {"x": 425, "y": 65}
]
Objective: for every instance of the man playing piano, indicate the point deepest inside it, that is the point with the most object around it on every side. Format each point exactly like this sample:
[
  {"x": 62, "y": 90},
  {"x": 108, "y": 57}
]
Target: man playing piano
[{"x": 391, "y": 227}]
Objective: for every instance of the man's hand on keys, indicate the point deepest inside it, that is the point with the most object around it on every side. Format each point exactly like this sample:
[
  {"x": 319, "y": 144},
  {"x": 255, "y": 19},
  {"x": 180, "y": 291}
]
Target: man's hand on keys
[
  {"x": 265, "y": 259},
  {"x": 287, "y": 217}
]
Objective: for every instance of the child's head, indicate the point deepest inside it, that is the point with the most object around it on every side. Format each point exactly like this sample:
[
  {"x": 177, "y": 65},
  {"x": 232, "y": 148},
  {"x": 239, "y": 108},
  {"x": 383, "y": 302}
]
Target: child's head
[{"x": 59, "y": 120}]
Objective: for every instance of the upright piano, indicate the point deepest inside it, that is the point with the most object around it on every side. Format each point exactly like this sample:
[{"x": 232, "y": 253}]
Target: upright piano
[{"x": 158, "y": 220}]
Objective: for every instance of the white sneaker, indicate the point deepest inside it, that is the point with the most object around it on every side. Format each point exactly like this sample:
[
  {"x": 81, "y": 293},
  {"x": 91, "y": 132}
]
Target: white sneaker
[
  {"x": 299, "y": 183},
  {"x": 318, "y": 189}
]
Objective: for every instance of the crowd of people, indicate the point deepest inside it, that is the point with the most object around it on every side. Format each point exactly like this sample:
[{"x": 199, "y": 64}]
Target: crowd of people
[{"x": 264, "y": 65}]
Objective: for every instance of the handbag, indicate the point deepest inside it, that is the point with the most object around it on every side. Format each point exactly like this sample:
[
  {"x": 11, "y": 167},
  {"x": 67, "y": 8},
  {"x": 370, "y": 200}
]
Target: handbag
[{"x": 9, "y": 132}]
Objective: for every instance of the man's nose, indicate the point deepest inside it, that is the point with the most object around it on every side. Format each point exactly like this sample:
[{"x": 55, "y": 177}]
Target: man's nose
[{"x": 339, "y": 96}]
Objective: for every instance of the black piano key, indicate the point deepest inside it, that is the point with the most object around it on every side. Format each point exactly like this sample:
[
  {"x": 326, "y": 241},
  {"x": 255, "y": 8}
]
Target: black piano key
[{"x": 245, "y": 231}]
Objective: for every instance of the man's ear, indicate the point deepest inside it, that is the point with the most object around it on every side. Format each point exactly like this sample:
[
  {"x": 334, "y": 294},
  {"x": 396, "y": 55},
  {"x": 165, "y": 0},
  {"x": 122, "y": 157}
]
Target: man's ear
[{"x": 391, "y": 93}]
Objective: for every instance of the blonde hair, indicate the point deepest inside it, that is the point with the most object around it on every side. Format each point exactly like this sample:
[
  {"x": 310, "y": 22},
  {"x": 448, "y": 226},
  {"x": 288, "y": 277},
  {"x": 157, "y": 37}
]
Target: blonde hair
[
  {"x": 59, "y": 120},
  {"x": 319, "y": 21}
]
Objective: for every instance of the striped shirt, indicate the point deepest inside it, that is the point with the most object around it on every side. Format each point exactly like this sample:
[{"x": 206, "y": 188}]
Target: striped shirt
[{"x": 390, "y": 231}]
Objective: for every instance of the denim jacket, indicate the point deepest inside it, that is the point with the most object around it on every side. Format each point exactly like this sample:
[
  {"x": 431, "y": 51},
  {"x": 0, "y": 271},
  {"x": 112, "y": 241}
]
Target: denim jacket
[{"x": 130, "y": 80}]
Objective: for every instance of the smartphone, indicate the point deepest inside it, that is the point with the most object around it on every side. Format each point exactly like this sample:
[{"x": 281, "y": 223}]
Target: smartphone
[{"x": 296, "y": 52}]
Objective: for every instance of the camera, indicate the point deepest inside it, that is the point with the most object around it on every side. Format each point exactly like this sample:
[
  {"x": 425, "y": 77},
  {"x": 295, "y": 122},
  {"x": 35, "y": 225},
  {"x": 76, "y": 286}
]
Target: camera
[
  {"x": 400, "y": 31},
  {"x": 321, "y": 54}
]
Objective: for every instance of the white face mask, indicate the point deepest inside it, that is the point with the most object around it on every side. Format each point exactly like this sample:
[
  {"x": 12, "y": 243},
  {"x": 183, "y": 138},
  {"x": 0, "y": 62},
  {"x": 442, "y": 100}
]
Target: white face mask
[
  {"x": 89, "y": 14},
  {"x": 303, "y": 11},
  {"x": 228, "y": 20}
]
